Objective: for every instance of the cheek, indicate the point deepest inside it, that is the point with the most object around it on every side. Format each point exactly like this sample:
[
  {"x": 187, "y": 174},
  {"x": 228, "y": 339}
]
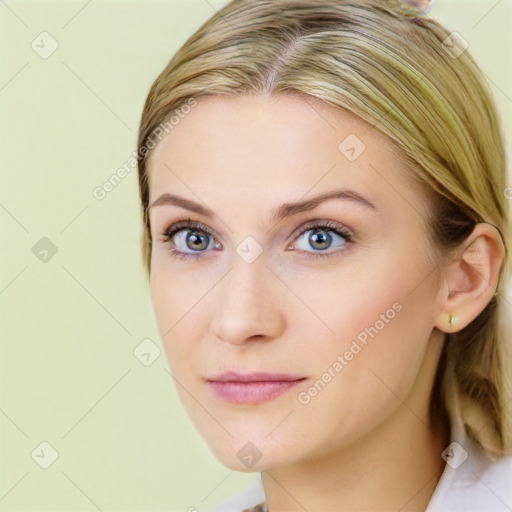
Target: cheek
[
  {"x": 358, "y": 374},
  {"x": 377, "y": 314},
  {"x": 174, "y": 299},
  {"x": 345, "y": 299}
]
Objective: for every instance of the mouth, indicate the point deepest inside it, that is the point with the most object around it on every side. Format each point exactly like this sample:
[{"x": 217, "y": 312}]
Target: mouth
[{"x": 251, "y": 388}]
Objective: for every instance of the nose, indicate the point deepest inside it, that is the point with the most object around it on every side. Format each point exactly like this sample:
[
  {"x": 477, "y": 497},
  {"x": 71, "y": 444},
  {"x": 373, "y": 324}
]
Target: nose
[{"x": 248, "y": 304}]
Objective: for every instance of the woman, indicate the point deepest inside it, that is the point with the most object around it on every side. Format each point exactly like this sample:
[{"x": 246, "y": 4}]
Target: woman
[{"x": 325, "y": 234}]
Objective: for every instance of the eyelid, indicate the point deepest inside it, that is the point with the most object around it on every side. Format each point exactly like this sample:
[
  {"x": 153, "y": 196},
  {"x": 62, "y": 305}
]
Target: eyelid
[
  {"x": 185, "y": 224},
  {"x": 324, "y": 223}
]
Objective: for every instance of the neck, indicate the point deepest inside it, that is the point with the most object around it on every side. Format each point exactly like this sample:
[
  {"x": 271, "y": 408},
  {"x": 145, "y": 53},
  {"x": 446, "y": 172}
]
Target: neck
[
  {"x": 394, "y": 467},
  {"x": 396, "y": 470}
]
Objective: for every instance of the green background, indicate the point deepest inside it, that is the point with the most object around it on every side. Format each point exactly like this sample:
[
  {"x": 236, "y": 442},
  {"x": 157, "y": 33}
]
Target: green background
[{"x": 70, "y": 324}]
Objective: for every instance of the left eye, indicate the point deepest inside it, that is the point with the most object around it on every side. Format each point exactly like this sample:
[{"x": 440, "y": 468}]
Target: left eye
[{"x": 321, "y": 238}]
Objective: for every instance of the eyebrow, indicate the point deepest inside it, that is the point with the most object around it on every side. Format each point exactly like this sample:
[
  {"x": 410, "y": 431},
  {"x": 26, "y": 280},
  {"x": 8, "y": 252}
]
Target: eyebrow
[{"x": 283, "y": 211}]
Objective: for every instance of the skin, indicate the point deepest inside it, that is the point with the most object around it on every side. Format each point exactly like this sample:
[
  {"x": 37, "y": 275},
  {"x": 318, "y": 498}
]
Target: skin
[{"x": 365, "y": 442}]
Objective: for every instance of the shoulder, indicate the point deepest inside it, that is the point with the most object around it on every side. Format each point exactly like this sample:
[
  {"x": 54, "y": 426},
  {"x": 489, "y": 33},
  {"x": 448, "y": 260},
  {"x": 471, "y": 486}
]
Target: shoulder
[
  {"x": 471, "y": 481},
  {"x": 250, "y": 499}
]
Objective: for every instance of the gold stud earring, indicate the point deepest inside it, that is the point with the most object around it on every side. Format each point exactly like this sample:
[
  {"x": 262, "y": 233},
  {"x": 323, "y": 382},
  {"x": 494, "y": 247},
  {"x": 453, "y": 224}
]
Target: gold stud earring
[{"x": 451, "y": 319}]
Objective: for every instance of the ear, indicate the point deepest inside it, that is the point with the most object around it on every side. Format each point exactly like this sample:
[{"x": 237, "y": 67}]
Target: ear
[{"x": 471, "y": 278}]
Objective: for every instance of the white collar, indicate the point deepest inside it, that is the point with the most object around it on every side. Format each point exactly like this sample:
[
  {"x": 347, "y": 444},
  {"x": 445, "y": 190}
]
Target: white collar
[{"x": 471, "y": 480}]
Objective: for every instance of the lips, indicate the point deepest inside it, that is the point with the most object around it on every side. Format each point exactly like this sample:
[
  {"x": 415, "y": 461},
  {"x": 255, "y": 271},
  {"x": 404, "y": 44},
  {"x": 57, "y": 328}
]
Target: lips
[
  {"x": 255, "y": 377},
  {"x": 251, "y": 388}
]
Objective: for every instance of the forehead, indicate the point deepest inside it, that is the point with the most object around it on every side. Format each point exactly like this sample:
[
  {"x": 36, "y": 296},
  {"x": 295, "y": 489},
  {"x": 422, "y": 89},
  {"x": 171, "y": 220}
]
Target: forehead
[{"x": 256, "y": 147}]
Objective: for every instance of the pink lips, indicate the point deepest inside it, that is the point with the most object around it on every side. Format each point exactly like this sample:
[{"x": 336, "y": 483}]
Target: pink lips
[{"x": 251, "y": 388}]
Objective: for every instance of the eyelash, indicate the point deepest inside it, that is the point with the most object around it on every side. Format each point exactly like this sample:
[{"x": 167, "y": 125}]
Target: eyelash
[{"x": 188, "y": 223}]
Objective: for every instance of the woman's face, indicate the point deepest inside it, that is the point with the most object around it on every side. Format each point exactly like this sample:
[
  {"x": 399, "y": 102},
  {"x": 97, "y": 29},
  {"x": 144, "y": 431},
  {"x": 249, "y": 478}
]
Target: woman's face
[{"x": 349, "y": 306}]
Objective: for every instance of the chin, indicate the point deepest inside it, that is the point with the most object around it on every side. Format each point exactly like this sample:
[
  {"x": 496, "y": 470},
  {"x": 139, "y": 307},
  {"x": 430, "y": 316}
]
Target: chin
[{"x": 249, "y": 453}]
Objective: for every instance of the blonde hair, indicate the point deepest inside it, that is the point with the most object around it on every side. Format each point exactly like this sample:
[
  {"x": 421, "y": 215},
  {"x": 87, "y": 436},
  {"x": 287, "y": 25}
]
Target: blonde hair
[{"x": 401, "y": 74}]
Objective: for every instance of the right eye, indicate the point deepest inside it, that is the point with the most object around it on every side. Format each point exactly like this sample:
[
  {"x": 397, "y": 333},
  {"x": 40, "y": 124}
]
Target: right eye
[{"x": 189, "y": 239}]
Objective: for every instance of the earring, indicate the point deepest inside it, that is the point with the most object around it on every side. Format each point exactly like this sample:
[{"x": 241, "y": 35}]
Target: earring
[{"x": 451, "y": 319}]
